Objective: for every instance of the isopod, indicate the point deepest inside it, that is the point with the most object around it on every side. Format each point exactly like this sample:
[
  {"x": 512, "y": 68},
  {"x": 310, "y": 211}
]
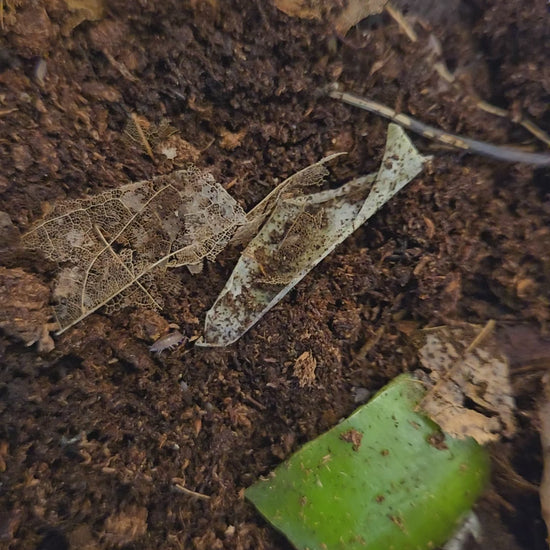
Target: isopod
[{"x": 170, "y": 341}]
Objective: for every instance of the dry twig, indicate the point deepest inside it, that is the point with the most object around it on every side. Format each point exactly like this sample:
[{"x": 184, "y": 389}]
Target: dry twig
[{"x": 499, "y": 152}]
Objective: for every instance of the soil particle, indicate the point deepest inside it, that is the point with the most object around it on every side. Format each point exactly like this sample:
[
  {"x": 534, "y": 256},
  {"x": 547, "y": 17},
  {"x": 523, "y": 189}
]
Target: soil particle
[
  {"x": 147, "y": 325},
  {"x": 125, "y": 527},
  {"x": 32, "y": 32},
  {"x": 25, "y": 311}
]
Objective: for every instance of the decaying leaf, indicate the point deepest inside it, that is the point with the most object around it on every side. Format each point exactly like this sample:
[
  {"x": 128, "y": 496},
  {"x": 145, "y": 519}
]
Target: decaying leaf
[
  {"x": 305, "y": 9},
  {"x": 177, "y": 150},
  {"x": 294, "y": 186},
  {"x": 159, "y": 140},
  {"x": 472, "y": 395},
  {"x": 80, "y": 11},
  {"x": 112, "y": 247},
  {"x": 304, "y": 369},
  {"x": 231, "y": 140},
  {"x": 355, "y": 11},
  {"x": 138, "y": 131},
  {"x": 299, "y": 231},
  {"x": 342, "y": 16}
]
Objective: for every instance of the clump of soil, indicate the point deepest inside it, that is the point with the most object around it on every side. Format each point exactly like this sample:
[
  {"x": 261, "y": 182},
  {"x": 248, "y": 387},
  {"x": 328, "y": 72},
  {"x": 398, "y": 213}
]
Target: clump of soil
[{"x": 103, "y": 444}]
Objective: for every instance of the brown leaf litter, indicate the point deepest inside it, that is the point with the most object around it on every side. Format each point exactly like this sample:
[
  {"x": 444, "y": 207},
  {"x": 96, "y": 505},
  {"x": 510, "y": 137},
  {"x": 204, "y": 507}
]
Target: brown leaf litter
[{"x": 472, "y": 394}]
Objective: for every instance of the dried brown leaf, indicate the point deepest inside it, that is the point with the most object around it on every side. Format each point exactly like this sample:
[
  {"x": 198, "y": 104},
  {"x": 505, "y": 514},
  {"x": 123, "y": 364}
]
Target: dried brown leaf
[
  {"x": 159, "y": 140},
  {"x": 305, "y": 9},
  {"x": 355, "y": 11},
  {"x": 176, "y": 149},
  {"x": 304, "y": 369},
  {"x": 80, "y": 11},
  {"x": 231, "y": 140},
  {"x": 342, "y": 18},
  {"x": 472, "y": 394}
]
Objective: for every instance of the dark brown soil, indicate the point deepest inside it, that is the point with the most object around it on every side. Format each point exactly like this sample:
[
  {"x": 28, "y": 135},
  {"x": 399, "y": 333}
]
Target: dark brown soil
[{"x": 97, "y": 435}]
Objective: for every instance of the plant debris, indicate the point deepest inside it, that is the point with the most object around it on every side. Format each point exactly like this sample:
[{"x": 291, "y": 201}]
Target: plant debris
[
  {"x": 374, "y": 480},
  {"x": 472, "y": 394},
  {"x": 113, "y": 248},
  {"x": 80, "y": 11},
  {"x": 126, "y": 526},
  {"x": 304, "y": 369},
  {"x": 341, "y": 16},
  {"x": 355, "y": 11},
  {"x": 208, "y": 66},
  {"x": 299, "y": 232},
  {"x": 499, "y": 152}
]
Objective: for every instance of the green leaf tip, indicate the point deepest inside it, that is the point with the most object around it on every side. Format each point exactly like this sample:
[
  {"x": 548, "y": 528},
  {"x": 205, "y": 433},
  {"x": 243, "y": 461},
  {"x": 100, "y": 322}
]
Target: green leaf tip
[{"x": 385, "y": 478}]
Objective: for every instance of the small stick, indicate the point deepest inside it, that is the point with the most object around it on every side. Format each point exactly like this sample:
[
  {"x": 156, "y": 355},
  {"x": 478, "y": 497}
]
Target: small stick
[
  {"x": 142, "y": 136},
  {"x": 485, "y": 331},
  {"x": 189, "y": 492},
  {"x": 402, "y": 22},
  {"x": 530, "y": 126},
  {"x": 507, "y": 154},
  {"x": 443, "y": 71}
]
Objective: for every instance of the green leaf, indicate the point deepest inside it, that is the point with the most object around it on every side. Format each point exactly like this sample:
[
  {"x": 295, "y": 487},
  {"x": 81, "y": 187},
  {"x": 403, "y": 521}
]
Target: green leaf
[{"x": 385, "y": 478}]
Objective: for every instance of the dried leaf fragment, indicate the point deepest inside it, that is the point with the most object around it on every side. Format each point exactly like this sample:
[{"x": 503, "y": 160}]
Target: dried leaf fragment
[
  {"x": 305, "y": 9},
  {"x": 139, "y": 130},
  {"x": 355, "y": 11},
  {"x": 113, "y": 248},
  {"x": 176, "y": 149},
  {"x": 299, "y": 230},
  {"x": 232, "y": 140},
  {"x": 80, "y": 11},
  {"x": 304, "y": 369},
  {"x": 310, "y": 177},
  {"x": 342, "y": 16},
  {"x": 472, "y": 394}
]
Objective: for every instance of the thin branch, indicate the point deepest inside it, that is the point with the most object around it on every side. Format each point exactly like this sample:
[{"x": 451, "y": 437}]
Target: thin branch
[
  {"x": 189, "y": 492},
  {"x": 499, "y": 152},
  {"x": 441, "y": 68}
]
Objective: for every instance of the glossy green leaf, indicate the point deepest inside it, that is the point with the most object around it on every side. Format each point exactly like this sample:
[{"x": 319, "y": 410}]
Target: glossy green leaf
[{"x": 385, "y": 478}]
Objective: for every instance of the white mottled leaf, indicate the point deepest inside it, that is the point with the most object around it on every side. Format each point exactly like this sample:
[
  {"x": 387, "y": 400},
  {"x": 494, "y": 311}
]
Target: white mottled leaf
[{"x": 299, "y": 233}]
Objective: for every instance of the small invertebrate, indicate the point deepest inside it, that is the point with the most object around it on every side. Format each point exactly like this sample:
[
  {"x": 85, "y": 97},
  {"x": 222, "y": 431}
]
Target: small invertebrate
[{"x": 170, "y": 341}]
